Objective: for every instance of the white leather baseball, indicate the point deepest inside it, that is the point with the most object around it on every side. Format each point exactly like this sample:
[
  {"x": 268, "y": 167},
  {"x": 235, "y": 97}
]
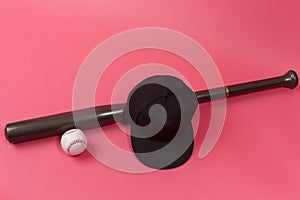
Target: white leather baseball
[{"x": 73, "y": 142}]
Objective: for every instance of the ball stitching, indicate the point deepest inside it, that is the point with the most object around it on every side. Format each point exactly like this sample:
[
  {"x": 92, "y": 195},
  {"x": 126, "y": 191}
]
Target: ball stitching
[{"x": 77, "y": 141}]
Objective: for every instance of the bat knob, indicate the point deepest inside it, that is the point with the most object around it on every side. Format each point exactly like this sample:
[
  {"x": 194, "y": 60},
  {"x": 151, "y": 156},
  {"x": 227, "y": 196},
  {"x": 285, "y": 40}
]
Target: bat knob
[{"x": 290, "y": 79}]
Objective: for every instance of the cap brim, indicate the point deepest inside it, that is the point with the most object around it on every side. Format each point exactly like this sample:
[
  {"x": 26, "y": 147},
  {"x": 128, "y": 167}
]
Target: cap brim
[{"x": 164, "y": 154}]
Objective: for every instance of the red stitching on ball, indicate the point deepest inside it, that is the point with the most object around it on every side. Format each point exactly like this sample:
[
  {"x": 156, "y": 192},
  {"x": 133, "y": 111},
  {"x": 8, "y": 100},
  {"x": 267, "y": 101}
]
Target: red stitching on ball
[{"x": 77, "y": 141}]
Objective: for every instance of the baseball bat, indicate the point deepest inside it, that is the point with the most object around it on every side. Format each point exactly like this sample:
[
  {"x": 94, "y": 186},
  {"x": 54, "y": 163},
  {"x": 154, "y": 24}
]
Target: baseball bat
[{"x": 57, "y": 124}]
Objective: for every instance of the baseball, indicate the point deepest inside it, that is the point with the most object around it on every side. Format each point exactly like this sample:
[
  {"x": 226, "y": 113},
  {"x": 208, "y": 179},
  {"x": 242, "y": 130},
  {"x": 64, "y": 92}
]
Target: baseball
[{"x": 73, "y": 142}]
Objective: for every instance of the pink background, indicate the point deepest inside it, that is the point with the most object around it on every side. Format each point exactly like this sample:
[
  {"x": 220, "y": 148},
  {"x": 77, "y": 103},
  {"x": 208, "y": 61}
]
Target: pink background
[{"x": 43, "y": 43}]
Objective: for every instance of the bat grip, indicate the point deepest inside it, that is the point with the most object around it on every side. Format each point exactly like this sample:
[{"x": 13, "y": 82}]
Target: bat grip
[
  {"x": 288, "y": 80},
  {"x": 57, "y": 124}
]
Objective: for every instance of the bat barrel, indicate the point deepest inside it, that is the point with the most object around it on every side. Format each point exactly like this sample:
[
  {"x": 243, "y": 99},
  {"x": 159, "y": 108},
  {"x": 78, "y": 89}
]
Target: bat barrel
[{"x": 57, "y": 124}]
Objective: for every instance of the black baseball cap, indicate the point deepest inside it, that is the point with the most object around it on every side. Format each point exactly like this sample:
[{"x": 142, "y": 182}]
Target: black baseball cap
[{"x": 161, "y": 138}]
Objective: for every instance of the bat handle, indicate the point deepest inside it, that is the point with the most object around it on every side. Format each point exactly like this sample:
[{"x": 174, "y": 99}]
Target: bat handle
[
  {"x": 54, "y": 125},
  {"x": 288, "y": 80}
]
